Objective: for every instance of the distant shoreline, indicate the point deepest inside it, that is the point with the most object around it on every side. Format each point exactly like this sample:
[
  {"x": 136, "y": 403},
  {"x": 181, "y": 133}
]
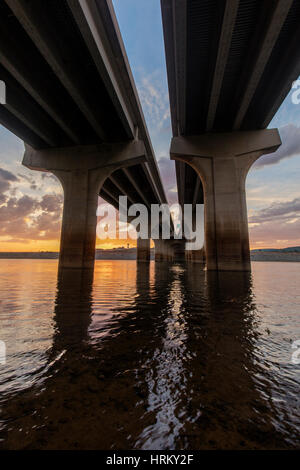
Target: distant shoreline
[
  {"x": 275, "y": 256},
  {"x": 130, "y": 254},
  {"x": 114, "y": 254}
]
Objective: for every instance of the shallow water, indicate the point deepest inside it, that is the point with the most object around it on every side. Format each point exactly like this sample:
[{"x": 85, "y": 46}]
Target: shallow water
[{"x": 159, "y": 357}]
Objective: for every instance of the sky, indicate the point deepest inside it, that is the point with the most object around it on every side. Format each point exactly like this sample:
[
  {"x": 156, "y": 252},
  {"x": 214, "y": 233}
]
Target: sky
[{"x": 31, "y": 202}]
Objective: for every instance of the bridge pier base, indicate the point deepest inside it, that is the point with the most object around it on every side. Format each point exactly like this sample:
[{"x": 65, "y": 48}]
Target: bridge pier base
[
  {"x": 179, "y": 250},
  {"x": 159, "y": 253},
  {"x": 163, "y": 250},
  {"x": 143, "y": 250},
  {"x": 196, "y": 256},
  {"x": 170, "y": 251},
  {"x": 82, "y": 171},
  {"x": 222, "y": 161}
]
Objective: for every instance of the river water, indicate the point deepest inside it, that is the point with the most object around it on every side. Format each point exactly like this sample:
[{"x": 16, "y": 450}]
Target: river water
[{"x": 163, "y": 356}]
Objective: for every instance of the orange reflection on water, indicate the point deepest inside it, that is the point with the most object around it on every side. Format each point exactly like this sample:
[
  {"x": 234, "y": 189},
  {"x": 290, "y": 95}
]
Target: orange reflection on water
[{"x": 155, "y": 355}]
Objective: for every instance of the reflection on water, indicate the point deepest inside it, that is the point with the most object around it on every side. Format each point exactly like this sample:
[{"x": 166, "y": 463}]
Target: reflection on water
[{"x": 155, "y": 357}]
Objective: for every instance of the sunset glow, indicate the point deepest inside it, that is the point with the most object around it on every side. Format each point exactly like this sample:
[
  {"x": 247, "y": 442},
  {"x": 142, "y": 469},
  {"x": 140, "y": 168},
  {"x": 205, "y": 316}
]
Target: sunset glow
[{"x": 31, "y": 201}]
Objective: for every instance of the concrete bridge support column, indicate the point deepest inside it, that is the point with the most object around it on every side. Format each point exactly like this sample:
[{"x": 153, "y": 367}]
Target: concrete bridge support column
[
  {"x": 143, "y": 249},
  {"x": 159, "y": 250},
  {"x": 196, "y": 256},
  {"x": 167, "y": 250},
  {"x": 78, "y": 233},
  {"x": 222, "y": 161},
  {"x": 170, "y": 251},
  {"x": 179, "y": 250},
  {"x": 162, "y": 250},
  {"x": 82, "y": 171}
]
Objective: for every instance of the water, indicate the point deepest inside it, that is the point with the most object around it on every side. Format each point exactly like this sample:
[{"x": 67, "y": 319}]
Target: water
[{"x": 163, "y": 357}]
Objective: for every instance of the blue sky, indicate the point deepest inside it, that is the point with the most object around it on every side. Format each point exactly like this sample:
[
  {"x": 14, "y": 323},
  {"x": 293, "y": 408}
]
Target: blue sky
[
  {"x": 31, "y": 202},
  {"x": 141, "y": 27}
]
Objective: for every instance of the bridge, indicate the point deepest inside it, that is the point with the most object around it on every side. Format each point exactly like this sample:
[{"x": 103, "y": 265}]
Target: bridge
[
  {"x": 71, "y": 97},
  {"x": 230, "y": 65}
]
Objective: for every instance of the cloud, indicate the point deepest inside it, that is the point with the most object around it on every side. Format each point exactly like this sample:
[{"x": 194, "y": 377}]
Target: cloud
[
  {"x": 154, "y": 98},
  {"x": 51, "y": 202},
  {"x": 167, "y": 171},
  {"x": 30, "y": 218},
  {"x": 27, "y": 217},
  {"x": 7, "y": 175},
  {"x": 287, "y": 234},
  {"x": 276, "y": 224},
  {"x": 290, "y": 136},
  {"x": 6, "y": 178},
  {"x": 278, "y": 210}
]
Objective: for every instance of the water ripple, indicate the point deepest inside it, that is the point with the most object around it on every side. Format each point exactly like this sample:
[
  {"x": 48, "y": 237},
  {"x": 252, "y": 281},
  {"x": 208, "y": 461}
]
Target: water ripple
[{"x": 149, "y": 357}]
